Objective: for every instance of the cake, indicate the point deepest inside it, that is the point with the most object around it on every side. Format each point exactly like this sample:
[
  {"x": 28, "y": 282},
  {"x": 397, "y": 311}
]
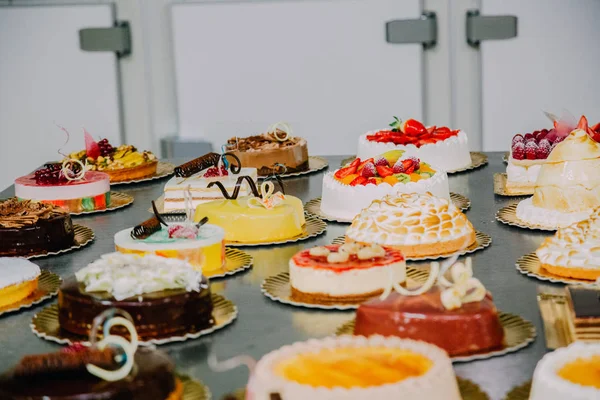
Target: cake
[
  {"x": 354, "y": 368},
  {"x": 266, "y": 216},
  {"x": 568, "y": 186},
  {"x": 18, "y": 279},
  {"x": 583, "y": 307},
  {"x": 166, "y": 297},
  {"x": 203, "y": 247},
  {"x": 574, "y": 251},
  {"x": 67, "y": 185},
  {"x": 353, "y": 187},
  {"x": 459, "y": 317},
  {"x": 122, "y": 163},
  {"x": 569, "y": 373},
  {"x": 449, "y": 149},
  {"x": 346, "y": 273},
  {"x": 196, "y": 175},
  {"x": 30, "y": 228},
  {"x": 273, "y": 152},
  {"x": 112, "y": 369},
  {"x": 418, "y": 225}
]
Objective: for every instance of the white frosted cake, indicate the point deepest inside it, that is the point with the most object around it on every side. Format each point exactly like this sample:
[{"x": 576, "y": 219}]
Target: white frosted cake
[
  {"x": 353, "y": 187},
  {"x": 448, "y": 149},
  {"x": 569, "y": 373},
  {"x": 355, "y": 368}
]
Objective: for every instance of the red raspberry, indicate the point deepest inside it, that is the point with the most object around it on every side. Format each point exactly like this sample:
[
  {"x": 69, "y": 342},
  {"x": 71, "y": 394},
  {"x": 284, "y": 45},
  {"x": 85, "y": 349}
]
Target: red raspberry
[
  {"x": 517, "y": 138},
  {"x": 368, "y": 170},
  {"x": 381, "y": 162},
  {"x": 531, "y": 149},
  {"x": 543, "y": 149},
  {"x": 541, "y": 135},
  {"x": 518, "y": 151},
  {"x": 559, "y": 139},
  {"x": 528, "y": 136},
  {"x": 399, "y": 167}
]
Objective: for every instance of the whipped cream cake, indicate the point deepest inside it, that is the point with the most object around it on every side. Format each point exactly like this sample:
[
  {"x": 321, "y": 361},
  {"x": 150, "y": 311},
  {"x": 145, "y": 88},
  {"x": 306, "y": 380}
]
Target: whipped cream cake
[
  {"x": 569, "y": 373},
  {"x": 449, "y": 149},
  {"x": 419, "y": 225},
  {"x": 353, "y": 368},
  {"x": 353, "y": 187},
  {"x": 574, "y": 251},
  {"x": 568, "y": 186},
  {"x": 348, "y": 273}
]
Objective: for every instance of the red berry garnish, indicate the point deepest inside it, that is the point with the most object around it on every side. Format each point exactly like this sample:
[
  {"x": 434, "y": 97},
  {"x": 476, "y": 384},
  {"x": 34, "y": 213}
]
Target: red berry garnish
[
  {"x": 371, "y": 180},
  {"x": 531, "y": 149},
  {"x": 559, "y": 139},
  {"x": 384, "y": 170},
  {"x": 518, "y": 151},
  {"x": 516, "y": 139},
  {"x": 359, "y": 180},
  {"x": 368, "y": 170},
  {"x": 76, "y": 347},
  {"x": 381, "y": 161},
  {"x": 416, "y": 162},
  {"x": 528, "y": 136},
  {"x": 543, "y": 149},
  {"x": 399, "y": 167},
  {"x": 214, "y": 171}
]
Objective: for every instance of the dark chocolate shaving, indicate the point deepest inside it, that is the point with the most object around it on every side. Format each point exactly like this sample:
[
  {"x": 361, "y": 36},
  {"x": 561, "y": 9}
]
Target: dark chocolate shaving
[
  {"x": 202, "y": 222},
  {"x": 64, "y": 362},
  {"x": 234, "y": 168},
  {"x": 193, "y": 167},
  {"x": 146, "y": 228},
  {"x": 236, "y": 189},
  {"x": 157, "y": 214}
]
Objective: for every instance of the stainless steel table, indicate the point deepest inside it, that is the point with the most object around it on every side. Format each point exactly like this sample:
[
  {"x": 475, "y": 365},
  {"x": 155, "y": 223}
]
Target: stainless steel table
[{"x": 264, "y": 325}]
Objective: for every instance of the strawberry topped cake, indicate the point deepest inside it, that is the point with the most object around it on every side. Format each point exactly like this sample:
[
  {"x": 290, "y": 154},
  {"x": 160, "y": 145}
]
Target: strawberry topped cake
[
  {"x": 447, "y": 148},
  {"x": 353, "y": 187}
]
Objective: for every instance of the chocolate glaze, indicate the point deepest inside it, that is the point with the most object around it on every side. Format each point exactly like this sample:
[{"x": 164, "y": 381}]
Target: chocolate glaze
[
  {"x": 585, "y": 304},
  {"x": 151, "y": 379},
  {"x": 156, "y": 315},
  {"x": 46, "y": 235},
  {"x": 472, "y": 328}
]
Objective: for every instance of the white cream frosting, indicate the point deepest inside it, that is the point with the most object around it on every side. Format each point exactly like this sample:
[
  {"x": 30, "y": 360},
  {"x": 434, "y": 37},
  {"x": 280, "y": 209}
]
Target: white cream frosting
[
  {"x": 576, "y": 246},
  {"x": 522, "y": 175},
  {"x": 64, "y": 192},
  {"x": 548, "y": 385},
  {"x": 438, "y": 383},
  {"x": 127, "y": 275},
  {"x": 345, "y": 202},
  {"x": 207, "y": 235},
  {"x": 531, "y": 214},
  {"x": 450, "y": 154},
  {"x": 409, "y": 219},
  {"x": 14, "y": 271}
]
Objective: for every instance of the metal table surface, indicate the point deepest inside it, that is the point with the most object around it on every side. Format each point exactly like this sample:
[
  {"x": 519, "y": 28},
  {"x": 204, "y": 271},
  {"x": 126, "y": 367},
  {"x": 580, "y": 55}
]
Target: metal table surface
[{"x": 264, "y": 325}]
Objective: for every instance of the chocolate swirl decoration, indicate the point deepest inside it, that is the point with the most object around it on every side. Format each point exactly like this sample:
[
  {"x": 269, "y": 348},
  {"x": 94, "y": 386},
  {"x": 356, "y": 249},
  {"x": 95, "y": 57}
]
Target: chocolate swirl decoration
[
  {"x": 208, "y": 160},
  {"x": 236, "y": 189}
]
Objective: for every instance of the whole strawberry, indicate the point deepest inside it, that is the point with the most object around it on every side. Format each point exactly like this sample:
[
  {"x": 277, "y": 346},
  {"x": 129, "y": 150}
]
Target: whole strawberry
[
  {"x": 518, "y": 151},
  {"x": 531, "y": 149}
]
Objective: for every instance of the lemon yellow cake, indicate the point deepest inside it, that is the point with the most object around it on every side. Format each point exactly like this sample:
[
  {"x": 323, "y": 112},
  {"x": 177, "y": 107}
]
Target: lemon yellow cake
[{"x": 18, "y": 279}]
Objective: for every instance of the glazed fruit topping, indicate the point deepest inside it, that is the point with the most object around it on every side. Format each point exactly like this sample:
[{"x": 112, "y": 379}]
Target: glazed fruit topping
[
  {"x": 52, "y": 174},
  {"x": 412, "y": 132},
  {"x": 214, "y": 172},
  {"x": 183, "y": 231},
  {"x": 106, "y": 149}
]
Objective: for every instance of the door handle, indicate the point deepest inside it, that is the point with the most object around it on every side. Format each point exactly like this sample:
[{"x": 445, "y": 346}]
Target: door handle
[
  {"x": 117, "y": 39},
  {"x": 422, "y": 30},
  {"x": 492, "y": 27}
]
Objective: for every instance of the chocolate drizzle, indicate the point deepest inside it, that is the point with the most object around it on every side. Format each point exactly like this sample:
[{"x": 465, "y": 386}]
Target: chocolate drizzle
[{"x": 208, "y": 160}]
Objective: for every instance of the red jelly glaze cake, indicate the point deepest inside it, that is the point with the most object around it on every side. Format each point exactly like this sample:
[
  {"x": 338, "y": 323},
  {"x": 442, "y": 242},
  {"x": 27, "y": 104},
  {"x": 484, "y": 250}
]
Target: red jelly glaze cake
[{"x": 472, "y": 328}]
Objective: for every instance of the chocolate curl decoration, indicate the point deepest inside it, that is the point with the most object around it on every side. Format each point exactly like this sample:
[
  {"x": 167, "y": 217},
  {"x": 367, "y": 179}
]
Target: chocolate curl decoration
[
  {"x": 234, "y": 168},
  {"x": 193, "y": 167},
  {"x": 65, "y": 362},
  {"x": 157, "y": 214},
  {"x": 236, "y": 189},
  {"x": 146, "y": 228}
]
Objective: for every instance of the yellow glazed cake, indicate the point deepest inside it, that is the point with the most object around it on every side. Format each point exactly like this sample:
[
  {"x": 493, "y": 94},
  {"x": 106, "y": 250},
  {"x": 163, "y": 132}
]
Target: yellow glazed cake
[
  {"x": 352, "y": 367},
  {"x": 18, "y": 279},
  {"x": 417, "y": 224}
]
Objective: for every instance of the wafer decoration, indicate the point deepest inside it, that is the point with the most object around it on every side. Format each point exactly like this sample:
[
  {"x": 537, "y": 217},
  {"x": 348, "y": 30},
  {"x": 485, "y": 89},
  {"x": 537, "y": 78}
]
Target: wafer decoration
[
  {"x": 208, "y": 160},
  {"x": 146, "y": 228}
]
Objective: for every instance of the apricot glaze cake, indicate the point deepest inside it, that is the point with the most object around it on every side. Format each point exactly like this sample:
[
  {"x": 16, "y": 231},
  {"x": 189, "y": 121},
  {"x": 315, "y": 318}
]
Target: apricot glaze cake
[
  {"x": 569, "y": 373},
  {"x": 273, "y": 152},
  {"x": 461, "y": 306},
  {"x": 30, "y": 228},
  {"x": 448, "y": 148},
  {"x": 18, "y": 280},
  {"x": 416, "y": 224},
  {"x": 348, "y": 273},
  {"x": 354, "y": 368},
  {"x": 122, "y": 163},
  {"x": 353, "y": 187},
  {"x": 568, "y": 186},
  {"x": 574, "y": 251},
  {"x": 165, "y": 296}
]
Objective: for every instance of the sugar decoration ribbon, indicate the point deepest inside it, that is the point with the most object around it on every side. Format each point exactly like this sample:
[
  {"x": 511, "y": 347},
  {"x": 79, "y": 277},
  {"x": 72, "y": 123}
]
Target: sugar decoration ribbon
[
  {"x": 463, "y": 288},
  {"x": 269, "y": 199},
  {"x": 278, "y": 127}
]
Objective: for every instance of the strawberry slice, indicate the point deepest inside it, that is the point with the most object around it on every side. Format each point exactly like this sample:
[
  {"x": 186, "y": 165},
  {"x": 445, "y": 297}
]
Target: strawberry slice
[
  {"x": 384, "y": 171},
  {"x": 412, "y": 127},
  {"x": 362, "y": 164},
  {"x": 442, "y": 130},
  {"x": 91, "y": 147},
  {"x": 351, "y": 169},
  {"x": 431, "y": 129},
  {"x": 359, "y": 180},
  {"x": 371, "y": 180},
  {"x": 401, "y": 140}
]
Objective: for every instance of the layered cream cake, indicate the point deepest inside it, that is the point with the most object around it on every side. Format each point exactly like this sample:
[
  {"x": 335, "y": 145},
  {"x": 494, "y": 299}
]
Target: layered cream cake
[
  {"x": 449, "y": 149},
  {"x": 203, "y": 248},
  {"x": 18, "y": 279},
  {"x": 569, "y": 373},
  {"x": 417, "y": 224},
  {"x": 348, "y": 273},
  {"x": 574, "y": 251},
  {"x": 353, "y": 187},
  {"x": 354, "y": 368},
  {"x": 568, "y": 186}
]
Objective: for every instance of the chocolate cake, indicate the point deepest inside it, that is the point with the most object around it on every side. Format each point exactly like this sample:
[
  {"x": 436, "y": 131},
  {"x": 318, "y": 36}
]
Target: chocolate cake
[
  {"x": 474, "y": 327},
  {"x": 30, "y": 228},
  {"x": 157, "y": 315},
  {"x": 63, "y": 375}
]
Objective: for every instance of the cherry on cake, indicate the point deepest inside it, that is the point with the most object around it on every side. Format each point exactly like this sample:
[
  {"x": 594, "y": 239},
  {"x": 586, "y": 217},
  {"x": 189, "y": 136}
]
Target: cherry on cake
[
  {"x": 348, "y": 367},
  {"x": 448, "y": 149},
  {"x": 348, "y": 273},
  {"x": 354, "y": 186}
]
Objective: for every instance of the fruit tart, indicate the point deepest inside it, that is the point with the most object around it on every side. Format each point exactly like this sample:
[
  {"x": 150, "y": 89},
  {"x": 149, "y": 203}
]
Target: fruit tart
[
  {"x": 448, "y": 149},
  {"x": 354, "y": 186},
  {"x": 122, "y": 163}
]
